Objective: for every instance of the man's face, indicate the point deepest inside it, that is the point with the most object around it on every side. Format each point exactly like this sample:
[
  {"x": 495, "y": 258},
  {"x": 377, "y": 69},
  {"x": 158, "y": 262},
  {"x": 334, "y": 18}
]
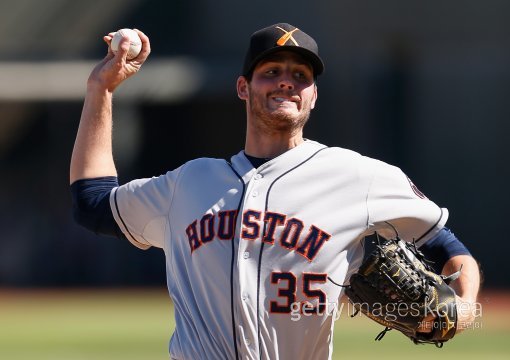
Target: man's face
[{"x": 282, "y": 92}]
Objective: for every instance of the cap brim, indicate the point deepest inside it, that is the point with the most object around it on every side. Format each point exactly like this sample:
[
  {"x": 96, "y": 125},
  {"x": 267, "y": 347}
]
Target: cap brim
[{"x": 312, "y": 58}]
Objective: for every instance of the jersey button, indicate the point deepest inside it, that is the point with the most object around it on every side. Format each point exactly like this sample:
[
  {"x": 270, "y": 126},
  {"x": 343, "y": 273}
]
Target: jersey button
[
  {"x": 247, "y": 341},
  {"x": 245, "y": 297},
  {"x": 255, "y": 193},
  {"x": 246, "y": 255},
  {"x": 258, "y": 176}
]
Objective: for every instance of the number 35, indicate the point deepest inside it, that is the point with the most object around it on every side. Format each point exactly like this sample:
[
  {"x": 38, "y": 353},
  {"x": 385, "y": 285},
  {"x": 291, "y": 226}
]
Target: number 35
[{"x": 287, "y": 288}]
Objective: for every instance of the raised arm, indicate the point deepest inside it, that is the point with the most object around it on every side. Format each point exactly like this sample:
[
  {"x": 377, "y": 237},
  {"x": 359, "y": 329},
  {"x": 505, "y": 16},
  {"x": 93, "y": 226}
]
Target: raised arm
[{"x": 92, "y": 153}]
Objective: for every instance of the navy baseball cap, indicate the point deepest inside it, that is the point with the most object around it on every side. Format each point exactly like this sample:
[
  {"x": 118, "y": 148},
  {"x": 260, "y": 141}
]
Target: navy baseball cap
[{"x": 278, "y": 37}]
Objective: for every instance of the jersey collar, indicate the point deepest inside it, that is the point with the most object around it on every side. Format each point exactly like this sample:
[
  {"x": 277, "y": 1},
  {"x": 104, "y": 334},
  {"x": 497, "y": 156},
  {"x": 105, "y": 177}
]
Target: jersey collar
[{"x": 277, "y": 165}]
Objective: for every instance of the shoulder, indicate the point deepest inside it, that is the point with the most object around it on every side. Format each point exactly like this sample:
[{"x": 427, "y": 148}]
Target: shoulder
[
  {"x": 190, "y": 168},
  {"x": 339, "y": 156},
  {"x": 334, "y": 152},
  {"x": 346, "y": 161},
  {"x": 341, "y": 153},
  {"x": 203, "y": 165}
]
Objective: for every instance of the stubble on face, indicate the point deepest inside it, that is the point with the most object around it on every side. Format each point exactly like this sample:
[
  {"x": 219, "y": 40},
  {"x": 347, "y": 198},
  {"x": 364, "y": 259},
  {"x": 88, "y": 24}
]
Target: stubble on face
[{"x": 277, "y": 120}]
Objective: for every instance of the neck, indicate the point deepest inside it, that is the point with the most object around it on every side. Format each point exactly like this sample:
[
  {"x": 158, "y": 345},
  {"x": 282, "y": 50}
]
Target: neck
[{"x": 269, "y": 145}]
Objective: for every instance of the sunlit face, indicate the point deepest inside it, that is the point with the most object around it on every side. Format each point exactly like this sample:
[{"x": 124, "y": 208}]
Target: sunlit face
[{"x": 281, "y": 93}]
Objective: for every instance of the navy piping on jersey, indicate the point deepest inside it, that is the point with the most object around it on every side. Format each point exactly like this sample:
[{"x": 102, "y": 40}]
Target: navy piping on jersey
[
  {"x": 234, "y": 333},
  {"x": 120, "y": 216},
  {"x": 262, "y": 242},
  {"x": 431, "y": 228}
]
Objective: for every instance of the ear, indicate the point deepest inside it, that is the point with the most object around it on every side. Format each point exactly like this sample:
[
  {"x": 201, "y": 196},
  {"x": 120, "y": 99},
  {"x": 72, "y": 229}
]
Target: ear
[
  {"x": 242, "y": 88},
  {"x": 315, "y": 95}
]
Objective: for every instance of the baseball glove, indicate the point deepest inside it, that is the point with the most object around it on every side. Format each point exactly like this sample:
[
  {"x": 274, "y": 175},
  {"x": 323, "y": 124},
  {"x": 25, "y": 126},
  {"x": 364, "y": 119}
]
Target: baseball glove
[{"x": 396, "y": 287}]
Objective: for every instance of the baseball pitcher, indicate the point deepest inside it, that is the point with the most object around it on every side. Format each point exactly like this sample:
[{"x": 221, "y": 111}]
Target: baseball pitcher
[{"x": 260, "y": 247}]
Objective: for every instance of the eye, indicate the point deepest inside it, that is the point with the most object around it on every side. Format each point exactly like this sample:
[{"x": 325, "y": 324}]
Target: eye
[{"x": 304, "y": 76}]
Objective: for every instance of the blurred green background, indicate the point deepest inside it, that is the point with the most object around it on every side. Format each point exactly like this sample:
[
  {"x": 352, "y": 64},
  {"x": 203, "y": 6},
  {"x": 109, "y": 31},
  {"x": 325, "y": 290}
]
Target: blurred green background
[{"x": 136, "y": 324}]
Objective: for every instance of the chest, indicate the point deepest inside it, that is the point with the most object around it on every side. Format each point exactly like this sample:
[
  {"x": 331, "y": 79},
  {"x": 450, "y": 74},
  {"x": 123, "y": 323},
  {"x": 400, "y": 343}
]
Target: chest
[{"x": 297, "y": 213}]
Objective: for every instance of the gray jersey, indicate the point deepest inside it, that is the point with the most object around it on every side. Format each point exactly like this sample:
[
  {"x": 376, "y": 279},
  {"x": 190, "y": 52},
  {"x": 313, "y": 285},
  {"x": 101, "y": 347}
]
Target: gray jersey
[{"x": 253, "y": 255}]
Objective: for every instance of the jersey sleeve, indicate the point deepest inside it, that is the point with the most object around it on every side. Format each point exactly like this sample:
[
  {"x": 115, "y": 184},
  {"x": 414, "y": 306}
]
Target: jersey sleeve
[
  {"x": 141, "y": 208},
  {"x": 394, "y": 203}
]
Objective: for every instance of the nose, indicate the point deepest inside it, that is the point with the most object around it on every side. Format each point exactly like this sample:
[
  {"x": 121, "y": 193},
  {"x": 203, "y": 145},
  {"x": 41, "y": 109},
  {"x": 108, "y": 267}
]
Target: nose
[{"x": 286, "y": 82}]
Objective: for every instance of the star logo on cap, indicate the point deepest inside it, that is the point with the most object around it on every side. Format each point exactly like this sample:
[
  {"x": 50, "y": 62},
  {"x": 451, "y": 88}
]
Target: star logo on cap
[{"x": 287, "y": 35}]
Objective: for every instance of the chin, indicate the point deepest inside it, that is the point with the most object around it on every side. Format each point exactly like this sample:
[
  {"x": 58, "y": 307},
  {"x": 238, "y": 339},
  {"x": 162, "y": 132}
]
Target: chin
[
  {"x": 285, "y": 120},
  {"x": 284, "y": 111}
]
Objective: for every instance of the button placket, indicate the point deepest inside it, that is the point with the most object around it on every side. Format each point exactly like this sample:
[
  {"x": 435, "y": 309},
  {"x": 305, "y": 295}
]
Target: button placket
[
  {"x": 254, "y": 200},
  {"x": 256, "y": 181}
]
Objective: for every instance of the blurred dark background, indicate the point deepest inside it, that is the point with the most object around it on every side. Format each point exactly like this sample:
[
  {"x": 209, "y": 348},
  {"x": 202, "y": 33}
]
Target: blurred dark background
[{"x": 422, "y": 85}]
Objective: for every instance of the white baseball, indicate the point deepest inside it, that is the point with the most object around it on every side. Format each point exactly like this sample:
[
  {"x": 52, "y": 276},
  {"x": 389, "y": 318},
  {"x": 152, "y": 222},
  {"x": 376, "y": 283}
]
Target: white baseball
[{"x": 134, "y": 39}]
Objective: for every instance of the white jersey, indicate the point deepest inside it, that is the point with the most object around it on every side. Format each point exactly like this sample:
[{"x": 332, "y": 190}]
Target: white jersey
[{"x": 253, "y": 255}]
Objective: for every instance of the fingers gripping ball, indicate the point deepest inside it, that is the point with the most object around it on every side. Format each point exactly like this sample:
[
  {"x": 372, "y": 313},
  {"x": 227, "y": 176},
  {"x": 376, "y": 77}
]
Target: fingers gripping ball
[{"x": 134, "y": 40}]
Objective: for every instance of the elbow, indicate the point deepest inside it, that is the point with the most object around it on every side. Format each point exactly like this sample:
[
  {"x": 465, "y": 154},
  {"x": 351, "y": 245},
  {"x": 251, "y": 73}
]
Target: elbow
[
  {"x": 83, "y": 215},
  {"x": 91, "y": 204}
]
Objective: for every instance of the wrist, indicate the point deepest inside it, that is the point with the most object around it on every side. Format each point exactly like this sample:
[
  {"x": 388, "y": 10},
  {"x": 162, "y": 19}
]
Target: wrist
[{"x": 98, "y": 87}]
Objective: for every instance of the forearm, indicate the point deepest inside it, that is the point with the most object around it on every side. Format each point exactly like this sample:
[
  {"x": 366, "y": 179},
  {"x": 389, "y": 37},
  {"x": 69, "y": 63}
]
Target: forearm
[
  {"x": 466, "y": 288},
  {"x": 92, "y": 153},
  {"x": 468, "y": 283}
]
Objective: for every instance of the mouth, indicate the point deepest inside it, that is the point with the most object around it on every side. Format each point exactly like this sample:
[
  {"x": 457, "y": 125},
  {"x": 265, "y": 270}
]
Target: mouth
[
  {"x": 282, "y": 100},
  {"x": 285, "y": 99}
]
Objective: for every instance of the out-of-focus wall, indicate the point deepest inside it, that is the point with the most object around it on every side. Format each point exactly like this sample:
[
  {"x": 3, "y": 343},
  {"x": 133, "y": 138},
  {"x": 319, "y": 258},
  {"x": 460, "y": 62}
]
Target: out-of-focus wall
[{"x": 422, "y": 85}]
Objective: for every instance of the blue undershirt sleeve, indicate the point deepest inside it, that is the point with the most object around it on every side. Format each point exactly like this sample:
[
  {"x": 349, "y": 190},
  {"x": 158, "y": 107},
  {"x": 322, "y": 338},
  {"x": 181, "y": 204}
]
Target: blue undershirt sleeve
[
  {"x": 91, "y": 205},
  {"x": 442, "y": 247}
]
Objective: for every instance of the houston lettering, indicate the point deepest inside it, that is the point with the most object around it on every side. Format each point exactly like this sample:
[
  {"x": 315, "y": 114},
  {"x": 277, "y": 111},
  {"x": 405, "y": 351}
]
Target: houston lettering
[{"x": 257, "y": 225}]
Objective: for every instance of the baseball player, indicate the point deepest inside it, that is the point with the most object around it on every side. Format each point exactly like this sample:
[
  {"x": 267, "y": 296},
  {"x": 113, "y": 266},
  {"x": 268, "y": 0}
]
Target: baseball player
[{"x": 257, "y": 245}]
